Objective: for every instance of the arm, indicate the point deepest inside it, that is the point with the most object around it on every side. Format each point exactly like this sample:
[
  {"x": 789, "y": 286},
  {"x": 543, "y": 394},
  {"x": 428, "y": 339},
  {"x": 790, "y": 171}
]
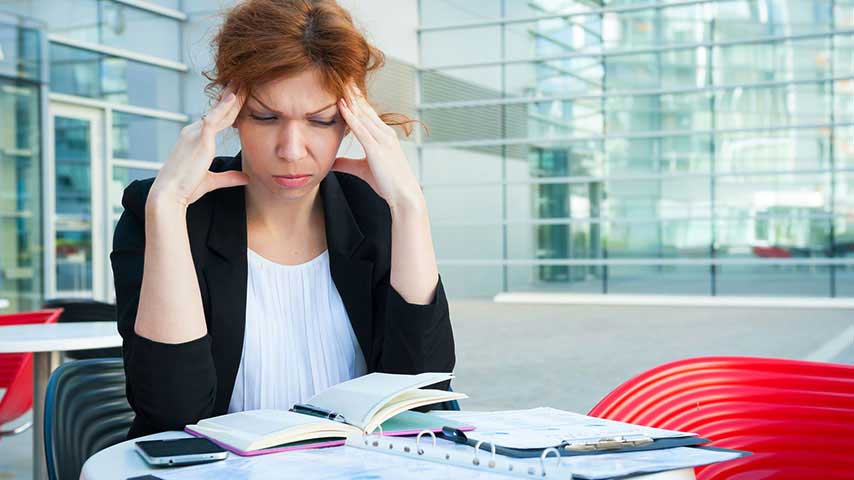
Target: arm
[
  {"x": 414, "y": 273},
  {"x": 410, "y": 300},
  {"x": 170, "y": 289},
  {"x": 171, "y": 380},
  {"x": 168, "y": 384}
]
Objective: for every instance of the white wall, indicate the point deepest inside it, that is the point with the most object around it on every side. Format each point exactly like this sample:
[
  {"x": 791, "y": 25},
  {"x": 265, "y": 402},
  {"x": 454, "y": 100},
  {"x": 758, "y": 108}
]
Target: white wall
[{"x": 389, "y": 24}]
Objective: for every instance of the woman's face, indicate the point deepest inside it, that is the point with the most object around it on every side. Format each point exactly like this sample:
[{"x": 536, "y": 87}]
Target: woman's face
[{"x": 289, "y": 135}]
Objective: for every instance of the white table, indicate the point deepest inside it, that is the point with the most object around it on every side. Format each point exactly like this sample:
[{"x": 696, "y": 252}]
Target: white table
[
  {"x": 47, "y": 341},
  {"x": 121, "y": 461}
]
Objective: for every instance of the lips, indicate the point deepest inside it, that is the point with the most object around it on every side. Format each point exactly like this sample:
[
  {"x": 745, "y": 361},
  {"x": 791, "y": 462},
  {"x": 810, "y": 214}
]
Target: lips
[{"x": 292, "y": 181}]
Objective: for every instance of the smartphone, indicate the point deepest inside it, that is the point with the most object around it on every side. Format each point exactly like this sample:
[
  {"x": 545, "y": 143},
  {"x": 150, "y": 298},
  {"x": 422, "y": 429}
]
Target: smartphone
[{"x": 180, "y": 451}]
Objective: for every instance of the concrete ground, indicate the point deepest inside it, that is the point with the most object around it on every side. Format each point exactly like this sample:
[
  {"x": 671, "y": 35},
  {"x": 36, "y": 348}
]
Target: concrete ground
[{"x": 569, "y": 357}]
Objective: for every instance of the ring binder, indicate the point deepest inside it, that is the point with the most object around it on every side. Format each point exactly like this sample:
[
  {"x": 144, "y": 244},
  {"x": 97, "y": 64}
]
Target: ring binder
[
  {"x": 545, "y": 455},
  {"x": 440, "y": 454},
  {"x": 477, "y": 448},
  {"x": 418, "y": 440}
]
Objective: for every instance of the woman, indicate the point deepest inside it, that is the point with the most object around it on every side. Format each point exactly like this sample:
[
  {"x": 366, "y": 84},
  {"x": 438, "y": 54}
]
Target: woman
[{"x": 258, "y": 280}]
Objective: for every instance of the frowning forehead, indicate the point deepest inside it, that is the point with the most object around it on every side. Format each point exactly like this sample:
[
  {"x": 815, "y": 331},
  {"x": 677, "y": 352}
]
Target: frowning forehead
[{"x": 295, "y": 96}]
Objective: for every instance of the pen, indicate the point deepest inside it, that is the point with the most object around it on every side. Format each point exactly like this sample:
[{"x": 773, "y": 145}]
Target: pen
[
  {"x": 608, "y": 443},
  {"x": 318, "y": 412}
]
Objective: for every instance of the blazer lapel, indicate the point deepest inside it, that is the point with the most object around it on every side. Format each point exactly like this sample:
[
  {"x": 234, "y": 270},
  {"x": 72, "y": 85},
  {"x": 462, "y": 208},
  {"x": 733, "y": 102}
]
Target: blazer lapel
[
  {"x": 226, "y": 275},
  {"x": 353, "y": 276}
]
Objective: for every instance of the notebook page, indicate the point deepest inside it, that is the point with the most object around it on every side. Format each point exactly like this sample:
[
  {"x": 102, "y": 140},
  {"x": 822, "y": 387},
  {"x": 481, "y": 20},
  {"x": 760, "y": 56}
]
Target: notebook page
[
  {"x": 546, "y": 427},
  {"x": 359, "y": 399},
  {"x": 243, "y": 430}
]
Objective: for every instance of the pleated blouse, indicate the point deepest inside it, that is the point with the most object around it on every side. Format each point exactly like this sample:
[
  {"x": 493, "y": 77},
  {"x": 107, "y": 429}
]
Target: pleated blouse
[{"x": 298, "y": 339}]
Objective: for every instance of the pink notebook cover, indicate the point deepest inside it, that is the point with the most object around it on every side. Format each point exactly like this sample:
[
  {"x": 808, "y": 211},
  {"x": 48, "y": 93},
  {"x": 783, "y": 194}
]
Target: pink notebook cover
[{"x": 308, "y": 446}]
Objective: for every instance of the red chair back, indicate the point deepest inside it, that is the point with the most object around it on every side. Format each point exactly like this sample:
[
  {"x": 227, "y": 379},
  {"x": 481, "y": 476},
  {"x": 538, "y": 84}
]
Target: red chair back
[
  {"x": 16, "y": 369},
  {"x": 797, "y": 417}
]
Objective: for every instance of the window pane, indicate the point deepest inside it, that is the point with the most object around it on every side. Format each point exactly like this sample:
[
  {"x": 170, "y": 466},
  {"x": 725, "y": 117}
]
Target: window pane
[
  {"x": 773, "y": 280},
  {"x": 20, "y": 196},
  {"x": 450, "y": 47},
  {"x": 20, "y": 49},
  {"x": 77, "y": 20},
  {"x": 771, "y": 150},
  {"x": 122, "y": 177},
  {"x": 458, "y": 11},
  {"x": 665, "y": 238},
  {"x": 137, "y": 137},
  {"x": 89, "y": 74},
  {"x": 123, "y": 27},
  {"x": 660, "y": 279},
  {"x": 105, "y": 22},
  {"x": 73, "y": 142}
]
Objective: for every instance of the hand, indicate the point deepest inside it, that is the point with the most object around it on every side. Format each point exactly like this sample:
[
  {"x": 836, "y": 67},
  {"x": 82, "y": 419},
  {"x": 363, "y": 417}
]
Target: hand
[
  {"x": 184, "y": 177},
  {"x": 385, "y": 167}
]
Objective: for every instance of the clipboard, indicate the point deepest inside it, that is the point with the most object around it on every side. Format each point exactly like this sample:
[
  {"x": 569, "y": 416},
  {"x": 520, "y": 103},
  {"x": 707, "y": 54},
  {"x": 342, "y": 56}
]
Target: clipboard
[{"x": 618, "y": 444}]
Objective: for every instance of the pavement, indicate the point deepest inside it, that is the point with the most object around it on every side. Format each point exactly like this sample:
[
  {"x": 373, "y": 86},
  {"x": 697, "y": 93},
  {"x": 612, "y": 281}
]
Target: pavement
[{"x": 569, "y": 357}]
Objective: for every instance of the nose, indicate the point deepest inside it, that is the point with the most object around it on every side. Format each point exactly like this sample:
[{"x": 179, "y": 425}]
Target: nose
[{"x": 290, "y": 145}]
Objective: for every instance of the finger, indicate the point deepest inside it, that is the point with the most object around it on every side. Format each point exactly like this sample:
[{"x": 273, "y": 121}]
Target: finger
[
  {"x": 359, "y": 110},
  {"x": 222, "y": 115},
  {"x": 356, "y": 125},
  {"x": 380, "y": 127},
  {"x": 231, "y": 178}
]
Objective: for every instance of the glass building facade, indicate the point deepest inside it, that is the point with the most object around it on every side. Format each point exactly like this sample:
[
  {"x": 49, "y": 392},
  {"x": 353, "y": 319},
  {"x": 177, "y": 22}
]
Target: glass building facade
[
  {"x": 685, "y": 147},
  {"x": 21, "y": 153},
  {"x": 92, "y": 99}
]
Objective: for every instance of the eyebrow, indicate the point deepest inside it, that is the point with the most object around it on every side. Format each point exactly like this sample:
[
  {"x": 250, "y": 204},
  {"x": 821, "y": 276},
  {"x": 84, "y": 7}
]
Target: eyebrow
[{"x": 279, "y": 113}]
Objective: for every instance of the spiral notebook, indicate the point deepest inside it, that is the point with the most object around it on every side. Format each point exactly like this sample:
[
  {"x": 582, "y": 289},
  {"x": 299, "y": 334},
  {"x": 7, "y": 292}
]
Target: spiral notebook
[{"x": 357, "y": 406}]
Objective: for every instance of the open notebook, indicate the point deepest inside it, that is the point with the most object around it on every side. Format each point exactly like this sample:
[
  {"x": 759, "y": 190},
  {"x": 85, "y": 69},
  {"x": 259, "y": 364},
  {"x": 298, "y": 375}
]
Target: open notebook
[{"x": 358, "y": 406}]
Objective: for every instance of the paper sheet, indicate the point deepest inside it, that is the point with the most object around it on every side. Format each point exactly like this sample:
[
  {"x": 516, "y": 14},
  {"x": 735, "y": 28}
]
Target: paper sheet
[
  {"x": 588, "y": 467},
  {"x": 337, "y": 463},
  {"x": 545, "y": 427}
]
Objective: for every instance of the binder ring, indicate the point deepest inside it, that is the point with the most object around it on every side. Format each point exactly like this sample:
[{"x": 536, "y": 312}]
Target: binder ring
[
  {"x": 545, "y": 455},
  {"x": 418, "y": 441},
  {"x": 476, "y": 461}
]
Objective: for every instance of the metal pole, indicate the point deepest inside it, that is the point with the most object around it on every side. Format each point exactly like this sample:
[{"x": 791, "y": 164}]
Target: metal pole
[{"x": 44, "y": 363}]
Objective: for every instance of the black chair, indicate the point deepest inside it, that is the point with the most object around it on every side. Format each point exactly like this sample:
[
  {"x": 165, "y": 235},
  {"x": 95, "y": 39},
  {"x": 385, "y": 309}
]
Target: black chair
[
  {"x": 85, "y": 412},
  {"x": 86, "y": 310}
]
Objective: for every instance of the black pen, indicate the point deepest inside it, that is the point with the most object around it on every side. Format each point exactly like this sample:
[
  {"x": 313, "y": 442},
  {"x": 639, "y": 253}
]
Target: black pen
[{"x": 318, "y": 412}]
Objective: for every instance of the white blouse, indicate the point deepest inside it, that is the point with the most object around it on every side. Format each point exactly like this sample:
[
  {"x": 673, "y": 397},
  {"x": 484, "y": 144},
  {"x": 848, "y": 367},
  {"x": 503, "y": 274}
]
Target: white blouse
[{"x": 298, "y": 339}]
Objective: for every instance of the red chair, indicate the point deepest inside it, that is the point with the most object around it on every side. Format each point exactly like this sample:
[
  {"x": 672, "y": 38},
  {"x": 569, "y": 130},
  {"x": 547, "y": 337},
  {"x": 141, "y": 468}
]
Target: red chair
[
  {"x": 16, "y": 371},
  {"x": 796, "y": 417}
]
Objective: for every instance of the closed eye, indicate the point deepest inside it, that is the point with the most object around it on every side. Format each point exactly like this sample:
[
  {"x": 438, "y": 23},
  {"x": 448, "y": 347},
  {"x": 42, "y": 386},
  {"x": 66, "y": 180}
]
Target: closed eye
[
  {"x": 322, "y": 123},
  {"x": 262, "y": 118}
]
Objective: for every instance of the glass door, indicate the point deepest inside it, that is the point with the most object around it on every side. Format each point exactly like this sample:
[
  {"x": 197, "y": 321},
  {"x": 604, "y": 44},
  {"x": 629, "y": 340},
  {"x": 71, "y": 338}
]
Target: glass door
[{"x": 76, "y": 243}]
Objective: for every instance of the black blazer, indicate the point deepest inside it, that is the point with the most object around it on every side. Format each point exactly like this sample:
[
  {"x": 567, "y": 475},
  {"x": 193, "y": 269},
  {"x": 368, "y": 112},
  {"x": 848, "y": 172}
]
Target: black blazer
[{"x": 172, "y": 385}]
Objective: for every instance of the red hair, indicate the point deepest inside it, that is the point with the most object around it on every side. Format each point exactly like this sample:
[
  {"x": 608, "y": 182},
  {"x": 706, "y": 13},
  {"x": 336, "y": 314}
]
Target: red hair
[{"x": 261, "y": 40}]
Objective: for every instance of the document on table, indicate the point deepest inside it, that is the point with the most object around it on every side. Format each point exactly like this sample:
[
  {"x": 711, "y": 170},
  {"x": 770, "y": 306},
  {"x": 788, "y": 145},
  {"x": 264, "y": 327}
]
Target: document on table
[
  {"x": 585, "y": 467},
  {"x": 545, "y": 427},
  {"x": 338, "y": 463}
]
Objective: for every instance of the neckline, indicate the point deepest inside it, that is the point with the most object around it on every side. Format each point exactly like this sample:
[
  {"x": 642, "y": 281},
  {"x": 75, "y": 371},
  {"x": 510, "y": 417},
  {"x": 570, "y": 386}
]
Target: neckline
[{"x": 262, "y": 259}]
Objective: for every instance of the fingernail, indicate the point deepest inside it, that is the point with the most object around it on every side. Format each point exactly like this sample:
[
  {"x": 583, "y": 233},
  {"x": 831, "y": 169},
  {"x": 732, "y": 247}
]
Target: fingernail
[{"x": 229, "y": 97}]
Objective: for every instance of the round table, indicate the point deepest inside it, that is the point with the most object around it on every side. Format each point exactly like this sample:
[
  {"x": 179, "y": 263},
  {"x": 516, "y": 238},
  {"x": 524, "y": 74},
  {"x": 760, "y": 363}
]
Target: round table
[
  {"x": 46, "y": 342},
  {"x": 122, "y": 461}
]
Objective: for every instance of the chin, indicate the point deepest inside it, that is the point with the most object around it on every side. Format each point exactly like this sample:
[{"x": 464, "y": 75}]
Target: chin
[{"x": 293, "y": 193}]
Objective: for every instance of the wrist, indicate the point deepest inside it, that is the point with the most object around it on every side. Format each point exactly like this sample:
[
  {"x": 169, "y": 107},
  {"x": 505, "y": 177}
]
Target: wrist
[
  {"x": 409, "y": 204},
  {"x": 159, "y": 204}
]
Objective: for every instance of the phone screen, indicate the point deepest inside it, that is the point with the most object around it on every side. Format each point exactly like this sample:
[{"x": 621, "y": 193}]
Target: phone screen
[{"x": 178, "y": 447}]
